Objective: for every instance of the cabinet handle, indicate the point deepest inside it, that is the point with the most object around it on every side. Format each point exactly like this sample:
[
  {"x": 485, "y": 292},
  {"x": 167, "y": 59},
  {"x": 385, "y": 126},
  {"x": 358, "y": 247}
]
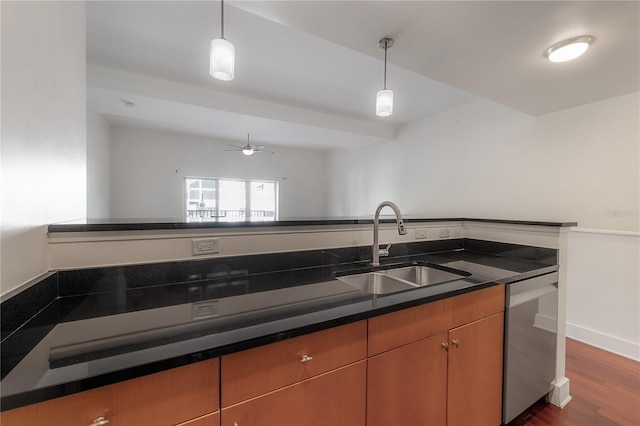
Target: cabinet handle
[
  {"x": 306, "y": 358},
  {"x": 99, "y": 421},
  {"x": 456, "y": 343},
  {"x": 445, "y": 345}
]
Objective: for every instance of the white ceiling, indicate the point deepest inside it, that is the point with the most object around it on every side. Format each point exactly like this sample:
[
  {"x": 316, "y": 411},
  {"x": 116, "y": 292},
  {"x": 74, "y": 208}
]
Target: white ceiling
[{"x": 307, "y": 71}]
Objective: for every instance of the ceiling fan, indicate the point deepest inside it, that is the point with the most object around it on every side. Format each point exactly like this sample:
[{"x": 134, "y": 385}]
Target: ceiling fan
[{"x": 248, "y": 149}]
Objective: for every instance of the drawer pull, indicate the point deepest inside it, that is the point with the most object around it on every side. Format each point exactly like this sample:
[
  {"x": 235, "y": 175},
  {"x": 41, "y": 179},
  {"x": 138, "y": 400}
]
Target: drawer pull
[
  {"x": 445, "y": 345},
  {"x": 99, "y": 421},
  {"x": 306, "y": 358},
  {"x": 456, "y": 343}
]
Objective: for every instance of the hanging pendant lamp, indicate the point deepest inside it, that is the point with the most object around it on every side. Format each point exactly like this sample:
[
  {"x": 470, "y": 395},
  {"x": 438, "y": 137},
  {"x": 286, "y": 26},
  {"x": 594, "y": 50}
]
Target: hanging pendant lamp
[
  {"x": 222, "y": 56},
  {"x": 384, "y": 99}
]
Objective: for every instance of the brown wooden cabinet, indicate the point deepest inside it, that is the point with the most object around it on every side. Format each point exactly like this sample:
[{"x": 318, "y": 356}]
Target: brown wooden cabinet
[
  {"x": 336, "y": 398},
  {"x": 166, "y": 398},
  {"x": 454, "y": 377},
  {"x": 314, "y": 379},
  {"x": 80, "y": 409},
  {"x": 254, "y": 372},
  {"x": 169, "y": 397},
  {"x": 408, "y": 385},
  {"x": 474, "y": 384}
]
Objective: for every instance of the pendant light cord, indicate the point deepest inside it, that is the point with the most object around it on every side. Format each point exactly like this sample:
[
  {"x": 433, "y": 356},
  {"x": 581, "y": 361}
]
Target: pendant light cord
[
  {"x": 222, "y": 18},
  {"x": 386, "y": 43}
]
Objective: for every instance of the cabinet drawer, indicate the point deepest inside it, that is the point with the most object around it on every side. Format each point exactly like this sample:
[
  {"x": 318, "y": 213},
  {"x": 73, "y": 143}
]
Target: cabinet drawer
[
  {"x": 168, "y": 397},
  {"x": 260, "y": 370},
  {"x": 479, "y": 304},
  {"x": 399, "y": 328},
  {"x": 336, "y": 398},
  {"x": 79, "y": 409}
]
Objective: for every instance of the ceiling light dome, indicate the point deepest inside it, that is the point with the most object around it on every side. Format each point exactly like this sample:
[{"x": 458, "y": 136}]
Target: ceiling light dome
[{"x": 569, "y": 49}]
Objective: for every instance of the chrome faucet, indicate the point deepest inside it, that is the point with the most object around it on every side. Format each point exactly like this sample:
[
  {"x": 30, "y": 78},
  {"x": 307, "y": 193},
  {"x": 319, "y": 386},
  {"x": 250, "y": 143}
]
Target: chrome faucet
[{"x": 375, "y": 249}]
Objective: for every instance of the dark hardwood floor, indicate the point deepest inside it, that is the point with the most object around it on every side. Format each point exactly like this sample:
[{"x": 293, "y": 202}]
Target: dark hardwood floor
[{"x": 605, "y": 389}]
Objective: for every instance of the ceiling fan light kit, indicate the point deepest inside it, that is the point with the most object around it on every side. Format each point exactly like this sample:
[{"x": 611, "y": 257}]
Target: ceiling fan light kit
[
  {"x": 384, "y": 98},
  {"x": 222, "y": 54},
  {"x": 248, "y": 149}
]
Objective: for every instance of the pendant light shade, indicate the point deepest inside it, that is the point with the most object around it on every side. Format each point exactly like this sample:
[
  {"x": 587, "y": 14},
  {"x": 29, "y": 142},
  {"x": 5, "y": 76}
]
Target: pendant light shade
[
  {"x": 384, "y": 99},
  {"x": 223, "y": 58},
  {"x": 222, "y": 54},
  {"x": 384, "y": 103}
]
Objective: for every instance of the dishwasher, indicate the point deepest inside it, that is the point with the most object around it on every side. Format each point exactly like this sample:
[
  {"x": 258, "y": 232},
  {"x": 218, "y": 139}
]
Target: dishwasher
[{"x": 531, "y": 326}]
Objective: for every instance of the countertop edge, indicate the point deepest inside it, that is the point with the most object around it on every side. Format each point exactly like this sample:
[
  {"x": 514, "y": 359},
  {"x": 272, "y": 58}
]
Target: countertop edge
[{"x": 125, "y": 225}]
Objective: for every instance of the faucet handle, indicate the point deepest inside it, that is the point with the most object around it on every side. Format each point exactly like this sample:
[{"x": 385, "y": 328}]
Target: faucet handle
[{"x": 384, "y": 251}]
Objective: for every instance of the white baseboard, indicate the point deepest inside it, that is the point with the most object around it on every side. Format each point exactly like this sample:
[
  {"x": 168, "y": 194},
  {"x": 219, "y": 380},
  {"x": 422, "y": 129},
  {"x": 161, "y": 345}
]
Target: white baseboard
[{"x": 616, "y": 345}]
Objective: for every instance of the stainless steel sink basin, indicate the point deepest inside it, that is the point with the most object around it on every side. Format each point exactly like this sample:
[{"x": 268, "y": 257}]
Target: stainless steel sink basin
[
  {"x": 376, "y": 283},
  {"x": 423, "y": 275},
  {"x": 399, "y": 279}
]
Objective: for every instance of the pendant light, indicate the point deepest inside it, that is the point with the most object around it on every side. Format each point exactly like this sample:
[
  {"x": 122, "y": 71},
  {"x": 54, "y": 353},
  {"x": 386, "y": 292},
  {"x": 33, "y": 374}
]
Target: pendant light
[
  {"x": 384, "y": 99},
  {"x": 222, "y": 54}
]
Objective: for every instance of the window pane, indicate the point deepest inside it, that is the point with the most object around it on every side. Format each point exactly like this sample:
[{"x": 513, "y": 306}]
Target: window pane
[
  {"x": 232, "y": 200},
  {"x": 209, "y": 183},
  {"x": 263, "y": 201}
]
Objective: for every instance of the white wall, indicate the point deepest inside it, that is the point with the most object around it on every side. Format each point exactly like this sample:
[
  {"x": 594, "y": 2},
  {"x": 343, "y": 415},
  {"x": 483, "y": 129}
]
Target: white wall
[
  {"x": 98, "y": 165},
  {"x": 43, "y": 130},
  {"x": 603, "y": 307},
  {"x": 486, "y": 160},
  {"x": 148, "y": 169}
]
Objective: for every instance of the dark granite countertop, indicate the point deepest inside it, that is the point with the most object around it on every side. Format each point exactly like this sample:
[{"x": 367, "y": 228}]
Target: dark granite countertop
[
  {"x": 90, "y": 340},
  {"x": 92, "y": 225}
]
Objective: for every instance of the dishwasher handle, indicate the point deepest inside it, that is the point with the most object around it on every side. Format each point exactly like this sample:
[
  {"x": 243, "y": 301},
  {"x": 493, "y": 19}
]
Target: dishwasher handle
[
  {"x": 526, "y": 290},
  {"x": 530, "y": 295}
]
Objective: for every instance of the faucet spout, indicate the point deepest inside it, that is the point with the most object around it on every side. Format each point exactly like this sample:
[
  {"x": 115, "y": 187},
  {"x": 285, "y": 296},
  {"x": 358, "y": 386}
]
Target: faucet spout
[{"x": 375, "y": 250}]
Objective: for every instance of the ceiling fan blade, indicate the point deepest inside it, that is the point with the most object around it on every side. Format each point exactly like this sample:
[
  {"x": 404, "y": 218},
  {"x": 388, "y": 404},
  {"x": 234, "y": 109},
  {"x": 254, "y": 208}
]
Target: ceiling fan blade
[
  {"x": 262, "y": 149},
  {"x": 235, "y": 146}
]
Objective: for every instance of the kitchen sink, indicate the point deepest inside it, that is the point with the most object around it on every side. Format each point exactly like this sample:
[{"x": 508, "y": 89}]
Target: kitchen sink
[
  {"x": 376, "y": 283},
  {"x": 423, "y": 275},
  {"x": 399, "y": 279}
]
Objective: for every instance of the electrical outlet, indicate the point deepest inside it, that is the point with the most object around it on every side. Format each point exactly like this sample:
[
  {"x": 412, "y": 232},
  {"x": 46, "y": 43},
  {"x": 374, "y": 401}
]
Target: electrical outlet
[
  {"x": 205, "y": 246},
  {"x": 444, "y": 233},
  {"x": 421, "y": 233},
  {"x": 205, "y": 309}
]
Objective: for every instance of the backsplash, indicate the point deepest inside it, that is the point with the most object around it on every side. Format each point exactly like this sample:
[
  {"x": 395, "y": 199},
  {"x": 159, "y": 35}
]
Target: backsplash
[{"x": 161, "y": 284}]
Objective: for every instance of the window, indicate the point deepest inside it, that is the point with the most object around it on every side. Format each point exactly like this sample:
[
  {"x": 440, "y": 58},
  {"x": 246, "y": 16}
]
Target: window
[{"x": 230, "y": 200}]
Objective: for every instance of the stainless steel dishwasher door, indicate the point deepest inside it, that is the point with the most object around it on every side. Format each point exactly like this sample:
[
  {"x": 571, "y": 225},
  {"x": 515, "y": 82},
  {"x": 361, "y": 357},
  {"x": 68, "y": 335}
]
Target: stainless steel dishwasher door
[{"x": 531, "y": 319}]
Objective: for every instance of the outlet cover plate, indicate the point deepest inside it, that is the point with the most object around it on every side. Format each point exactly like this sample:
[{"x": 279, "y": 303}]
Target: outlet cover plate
[{"x": 201, "y": 246}]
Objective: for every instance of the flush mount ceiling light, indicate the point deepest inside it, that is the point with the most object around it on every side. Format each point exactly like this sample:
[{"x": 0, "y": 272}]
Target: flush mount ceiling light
[
  {"x": 569, "y": 49},
  {"x": 222, "y": 55},
  {"x": 384, "y": 99}
]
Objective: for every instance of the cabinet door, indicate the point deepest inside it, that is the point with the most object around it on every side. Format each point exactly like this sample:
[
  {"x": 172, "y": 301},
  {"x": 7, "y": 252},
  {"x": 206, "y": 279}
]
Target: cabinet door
[
  {"x": 169, "y": 397},
  {"x": 475, "y": 373},
  {"x": 408, "y": 385},
  {"x": 335, "y": 398},
  {"x": 79, "y": 409}
]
